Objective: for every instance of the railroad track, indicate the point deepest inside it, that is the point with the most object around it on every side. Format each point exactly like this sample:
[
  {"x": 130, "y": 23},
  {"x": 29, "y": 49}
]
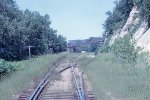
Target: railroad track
[
  {"x": 85, "y": 91},
  {"x": 77, "y": 87}
]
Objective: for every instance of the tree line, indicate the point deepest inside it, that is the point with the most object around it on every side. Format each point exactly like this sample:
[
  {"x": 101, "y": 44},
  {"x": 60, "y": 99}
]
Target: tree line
[
  {"x": 19, "y": 29},
  {"x": 118, "y": 17}
]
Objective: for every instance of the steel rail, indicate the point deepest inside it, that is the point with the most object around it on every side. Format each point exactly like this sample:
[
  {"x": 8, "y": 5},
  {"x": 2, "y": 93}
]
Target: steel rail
[
  {"x": 46, "y": 82},
  {"x": 42, "y": 87},
  {"x": 51, "y": 75},
  {"x": 79, "y": 91},
  {"x": 81, "y": 83},
  {"x": 39, "y": 87}
]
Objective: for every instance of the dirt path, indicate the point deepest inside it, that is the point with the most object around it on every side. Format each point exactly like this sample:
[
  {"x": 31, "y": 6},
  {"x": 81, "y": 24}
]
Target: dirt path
[{"x": 64, "y": 83}]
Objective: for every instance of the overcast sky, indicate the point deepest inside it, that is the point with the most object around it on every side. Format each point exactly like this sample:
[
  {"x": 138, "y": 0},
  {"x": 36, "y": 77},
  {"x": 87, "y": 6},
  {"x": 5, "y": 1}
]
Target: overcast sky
[{"x": 74, "y": 19}]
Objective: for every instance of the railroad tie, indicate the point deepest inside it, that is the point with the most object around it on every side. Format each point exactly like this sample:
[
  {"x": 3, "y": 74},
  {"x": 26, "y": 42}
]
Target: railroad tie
[{"x": 57, "y": 95}]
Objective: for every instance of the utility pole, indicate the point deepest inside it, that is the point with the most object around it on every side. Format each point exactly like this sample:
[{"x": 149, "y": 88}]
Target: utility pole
[{"x": 29, "y": 48}]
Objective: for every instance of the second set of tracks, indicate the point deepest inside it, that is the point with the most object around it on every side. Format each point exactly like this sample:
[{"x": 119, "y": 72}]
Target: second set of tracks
[{"x": 70, "y": 85}]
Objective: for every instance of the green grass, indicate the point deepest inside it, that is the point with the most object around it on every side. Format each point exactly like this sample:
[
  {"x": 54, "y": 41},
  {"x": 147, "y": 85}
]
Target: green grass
[
  {"x": 111, "y": 80},
  {"x": 28, "y": 70}
]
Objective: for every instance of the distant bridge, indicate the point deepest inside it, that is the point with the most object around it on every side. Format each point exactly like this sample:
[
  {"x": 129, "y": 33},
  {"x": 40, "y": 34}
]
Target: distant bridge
[{"x": 72, "y": 46}]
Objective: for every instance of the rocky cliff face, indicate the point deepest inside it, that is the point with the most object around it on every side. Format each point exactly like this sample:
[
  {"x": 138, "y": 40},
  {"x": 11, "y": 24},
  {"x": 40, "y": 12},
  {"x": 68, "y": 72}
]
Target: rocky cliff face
[{"x": 139, "y": 29}]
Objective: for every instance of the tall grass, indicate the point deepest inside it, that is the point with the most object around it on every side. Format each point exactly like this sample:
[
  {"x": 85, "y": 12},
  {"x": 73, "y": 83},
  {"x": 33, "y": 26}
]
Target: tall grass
[
  {"x": 27, "y": 71},
  {"x": 113, "y": 81}
]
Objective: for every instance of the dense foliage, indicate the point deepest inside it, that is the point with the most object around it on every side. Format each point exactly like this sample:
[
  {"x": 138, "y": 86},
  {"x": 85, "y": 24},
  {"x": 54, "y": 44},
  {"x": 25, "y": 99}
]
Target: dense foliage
[
  {"x": 6, "y": 68},
  {"x": 117, "y": 18},
  {"x": 144, "y": 8},
  {"x": 19, "y": 29},
  {"x": 125, "y": 50}
]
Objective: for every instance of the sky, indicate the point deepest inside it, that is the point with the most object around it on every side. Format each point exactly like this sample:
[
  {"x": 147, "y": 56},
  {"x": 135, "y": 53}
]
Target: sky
[{"x": 74, "y": 19}]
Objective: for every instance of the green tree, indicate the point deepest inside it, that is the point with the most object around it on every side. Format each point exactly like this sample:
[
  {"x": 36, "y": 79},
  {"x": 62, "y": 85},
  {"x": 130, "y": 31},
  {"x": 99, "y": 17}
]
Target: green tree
[
  {"x": 124, "y": 49},
  {"x": 19, "y": 29},
  {"x": 144, "y": 9},
  {"x": 117, "y": 18}
]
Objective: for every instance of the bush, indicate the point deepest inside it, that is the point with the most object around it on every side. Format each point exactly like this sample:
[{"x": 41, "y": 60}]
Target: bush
[
  {"x": 6, "y": 68},
  {"x": 125, "y": 50},
  {"x": 104, "y": 49}
]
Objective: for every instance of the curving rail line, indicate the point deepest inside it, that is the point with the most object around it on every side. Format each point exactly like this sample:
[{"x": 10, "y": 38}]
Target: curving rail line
[
  {"x": 79, "y": 86},
  {"x": 44, "y": 82}
]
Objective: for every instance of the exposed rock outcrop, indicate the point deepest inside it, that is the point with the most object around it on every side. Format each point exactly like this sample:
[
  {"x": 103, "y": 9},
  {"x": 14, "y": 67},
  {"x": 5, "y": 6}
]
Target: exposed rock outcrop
[{"x": 141, "y": 34}]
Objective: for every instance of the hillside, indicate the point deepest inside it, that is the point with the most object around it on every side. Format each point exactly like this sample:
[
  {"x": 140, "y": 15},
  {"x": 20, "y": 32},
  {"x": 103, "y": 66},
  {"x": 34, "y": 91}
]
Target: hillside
[
  {"x": 136, "y": 24},
  {"x": 141, "y": 35}
]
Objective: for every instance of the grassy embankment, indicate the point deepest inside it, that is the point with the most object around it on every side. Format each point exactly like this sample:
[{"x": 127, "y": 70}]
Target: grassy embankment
[
  {"x": 113, "y": 81},
  {"x": 28, "y": 70}
]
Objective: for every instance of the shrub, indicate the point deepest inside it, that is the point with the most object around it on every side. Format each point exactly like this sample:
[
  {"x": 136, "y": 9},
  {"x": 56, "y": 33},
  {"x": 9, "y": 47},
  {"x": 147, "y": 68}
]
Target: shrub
[
  {"x": 104, "y": 49},
  {"x": 125, "y": 50},
  {"x": 6, "y": 68}
]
